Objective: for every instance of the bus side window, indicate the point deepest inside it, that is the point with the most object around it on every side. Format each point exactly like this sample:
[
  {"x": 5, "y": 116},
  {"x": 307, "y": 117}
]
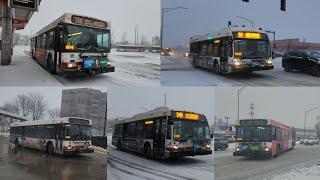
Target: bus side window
[{"x": 273, "y": 133}]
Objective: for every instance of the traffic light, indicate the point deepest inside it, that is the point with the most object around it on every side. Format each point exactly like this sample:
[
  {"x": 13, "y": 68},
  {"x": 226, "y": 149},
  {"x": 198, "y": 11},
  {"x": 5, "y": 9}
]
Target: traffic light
[
  {"x": 229, "y": 24},
  {"x": 283, "y": 5},
  {"x": 245, "y": 0}
]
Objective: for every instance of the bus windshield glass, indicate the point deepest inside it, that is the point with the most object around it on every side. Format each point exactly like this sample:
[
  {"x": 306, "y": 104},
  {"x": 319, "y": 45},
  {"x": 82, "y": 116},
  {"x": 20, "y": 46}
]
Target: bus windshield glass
[
  {"x": 251, "y": 48},
  {"x": 87, "y": 39},
  {"x": 254, "y": 133},
  {"x": 184, "y": 130},
  {"x": 78, "y": 132}
]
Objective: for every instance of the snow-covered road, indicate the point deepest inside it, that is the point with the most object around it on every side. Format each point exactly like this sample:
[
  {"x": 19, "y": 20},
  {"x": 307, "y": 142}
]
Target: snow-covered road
[
  {"x": 131, "y": 69},
  {"x": 177, "y": 71},
  {"x": 229, "y": 167},
  {"x": 123, "y": 165}
]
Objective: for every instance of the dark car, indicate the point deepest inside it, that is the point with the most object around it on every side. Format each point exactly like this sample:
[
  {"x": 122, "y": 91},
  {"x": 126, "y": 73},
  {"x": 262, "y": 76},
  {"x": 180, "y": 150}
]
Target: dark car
[
  {"x": 308, "y": 61},
  {"x": 220, "y": 144}
]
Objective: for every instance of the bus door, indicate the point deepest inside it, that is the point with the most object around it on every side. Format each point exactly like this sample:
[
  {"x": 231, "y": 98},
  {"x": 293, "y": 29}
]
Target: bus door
[
  {"x": 159, "y": 137},
  {"x": 223, "y": 50},
  {"x": 59, "y": 45},
  {"x": 59, "y": 137}
]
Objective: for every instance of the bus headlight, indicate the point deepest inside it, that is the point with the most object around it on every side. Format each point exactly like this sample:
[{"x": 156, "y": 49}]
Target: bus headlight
[
  {"x": 238, "y": 149},
  {"x": 269, "y": 61},
  {"x": 90, "y": 147},
  {"x": 208, "y": 146},
  {"x": 71, "y": 65},
  {"x": 237, "y": 63},
  {"x": 266, "y": 149},
  {"x": 109, "y": 63},
  {"x": 175, "y": 147},
  {"x": 69, "y": 147}
]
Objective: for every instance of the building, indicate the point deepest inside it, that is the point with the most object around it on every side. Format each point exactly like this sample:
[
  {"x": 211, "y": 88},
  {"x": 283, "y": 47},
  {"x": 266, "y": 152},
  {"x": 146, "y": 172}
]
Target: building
[
  {"x": 293, "y": 44},
  {"x": 85, "y": 103}
]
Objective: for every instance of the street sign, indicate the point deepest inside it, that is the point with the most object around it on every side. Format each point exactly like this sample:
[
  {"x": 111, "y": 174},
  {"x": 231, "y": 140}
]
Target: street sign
[{"x": 31, "y": 5}]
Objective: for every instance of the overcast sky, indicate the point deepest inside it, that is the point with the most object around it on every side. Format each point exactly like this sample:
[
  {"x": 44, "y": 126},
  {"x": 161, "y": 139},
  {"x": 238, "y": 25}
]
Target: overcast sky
[
  {"x": 123, "y": 14},
  {"x": 301, "y": 20},
  {"x": 126, "y": 102},
  {"x": 286, "y": 105},
  {"x": 52, "y": 94}
]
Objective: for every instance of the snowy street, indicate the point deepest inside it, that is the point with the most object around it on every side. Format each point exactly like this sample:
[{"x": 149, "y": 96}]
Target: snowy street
[
  {"x": 177, "y": 71},
  {"x": 131, "y": 69},
  {"x": 124, "y": 165},
  {"x": 286, "y": 166}
]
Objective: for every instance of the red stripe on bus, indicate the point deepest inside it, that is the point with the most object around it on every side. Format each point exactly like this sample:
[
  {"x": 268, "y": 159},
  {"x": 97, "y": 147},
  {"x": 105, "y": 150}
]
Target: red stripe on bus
[{"x": 180, "y": 149}]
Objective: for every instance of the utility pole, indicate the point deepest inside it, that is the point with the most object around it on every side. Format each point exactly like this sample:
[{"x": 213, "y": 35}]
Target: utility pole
[
  {"x": 252, "y": 107},
  {"x": 7, "y": 35},
  {"x": 318, "y": 126},
  {"x": 165, "y": 100}
]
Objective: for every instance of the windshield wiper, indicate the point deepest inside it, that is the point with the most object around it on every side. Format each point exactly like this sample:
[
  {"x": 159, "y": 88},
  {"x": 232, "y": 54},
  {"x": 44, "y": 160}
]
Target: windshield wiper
[{"x": 185, "y": 139}]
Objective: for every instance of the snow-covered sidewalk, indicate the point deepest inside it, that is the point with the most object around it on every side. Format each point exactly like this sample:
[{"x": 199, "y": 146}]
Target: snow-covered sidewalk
[{"x": 304, "y": 172}]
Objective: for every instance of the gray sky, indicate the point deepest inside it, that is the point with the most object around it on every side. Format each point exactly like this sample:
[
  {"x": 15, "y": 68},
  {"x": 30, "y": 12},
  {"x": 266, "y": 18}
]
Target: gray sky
[
  {"x": 126, "y": 102},
  {"x": 51, "y": 94},
  {"x": 301, "y": 20},
  {"x": 123, "y": 14},
  {"x": 286, "y": 105}
]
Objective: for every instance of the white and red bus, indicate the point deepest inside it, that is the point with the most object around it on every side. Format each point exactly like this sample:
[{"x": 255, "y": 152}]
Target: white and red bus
[
  {"x": 131, "y": 48},
  {"x": 164, "y": 133},
  {"x": 66, "y": 136},
  {"x": 263, "y": 138},
  {"x": 231, "y": 50},
  {"x": 73, "y": 45}
]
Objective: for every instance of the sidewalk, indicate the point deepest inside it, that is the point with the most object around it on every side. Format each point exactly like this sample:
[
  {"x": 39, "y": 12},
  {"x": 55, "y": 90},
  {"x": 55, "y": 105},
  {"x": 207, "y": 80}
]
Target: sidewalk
[
  {"x": 24, "y": 71},
  {"x": 96, "y": 148}
]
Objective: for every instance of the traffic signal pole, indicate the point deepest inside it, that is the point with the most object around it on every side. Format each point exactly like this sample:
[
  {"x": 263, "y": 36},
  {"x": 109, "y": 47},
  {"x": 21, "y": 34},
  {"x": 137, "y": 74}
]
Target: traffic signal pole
[{"x": 7, "y": 35}]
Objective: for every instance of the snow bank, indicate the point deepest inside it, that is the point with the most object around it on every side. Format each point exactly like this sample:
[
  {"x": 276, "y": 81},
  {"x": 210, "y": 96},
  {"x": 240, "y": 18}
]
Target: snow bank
[{"x": 305, "y": 173}]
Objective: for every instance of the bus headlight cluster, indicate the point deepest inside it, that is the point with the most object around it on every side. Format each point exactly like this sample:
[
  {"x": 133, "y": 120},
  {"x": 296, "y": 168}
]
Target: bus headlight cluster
[
  {"x": 237, "y": 62},
  {"x": 109, "y": 63},
  {"x": 175, "y": 147},
  {"x": 267, "y": 149},
  {"x": 208, "y": 146},
  {"x": 269, "y": 61},
  {"x": 71, "y": 65},
  {"x": 238, "y": 149}
]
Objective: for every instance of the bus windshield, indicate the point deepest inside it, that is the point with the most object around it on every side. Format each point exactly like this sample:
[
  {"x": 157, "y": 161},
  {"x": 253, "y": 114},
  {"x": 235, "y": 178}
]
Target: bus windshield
[
  {"x": 187, "y": 129},
  {"x": 78, "y": 38},
  {"x": 256, "y": 133},
  {"x": 78, "y": 132},
  {"x": 250, "y": 48}
]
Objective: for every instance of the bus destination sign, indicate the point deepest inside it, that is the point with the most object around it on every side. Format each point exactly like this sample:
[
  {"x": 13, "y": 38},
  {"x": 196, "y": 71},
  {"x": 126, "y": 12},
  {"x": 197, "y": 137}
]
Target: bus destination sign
[
  {"x": 88, "y": 22},
  {"x": 185, "y": 115},
  {"x": 31, "y": 5}
]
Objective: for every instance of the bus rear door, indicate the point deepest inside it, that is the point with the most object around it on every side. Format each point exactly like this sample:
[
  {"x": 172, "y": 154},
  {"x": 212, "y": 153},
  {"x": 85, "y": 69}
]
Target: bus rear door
[
  {"x": 159, "y": 137},
  {"x": 223, "y": 55}
]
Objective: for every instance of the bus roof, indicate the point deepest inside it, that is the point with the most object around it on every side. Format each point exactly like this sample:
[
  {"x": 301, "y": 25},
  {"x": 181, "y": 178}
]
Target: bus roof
[
  {"x": 223, "y": 33},
  {"x": 269, "y": 122},
  {"x": 47, "y": 122},
  {"x": 157, "y": 112},
  {"x": 66, "y": 18}
]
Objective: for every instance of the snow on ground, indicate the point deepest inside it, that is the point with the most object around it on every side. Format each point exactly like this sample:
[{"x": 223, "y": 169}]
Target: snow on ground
[{"x": 299, "y": 173}]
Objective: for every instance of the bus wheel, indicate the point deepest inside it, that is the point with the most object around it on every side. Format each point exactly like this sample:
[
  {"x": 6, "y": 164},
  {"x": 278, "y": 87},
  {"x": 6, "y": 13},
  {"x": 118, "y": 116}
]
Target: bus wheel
[
  {"x": 50, "y": 148},
  {"x": 147, "y": 151},
  {"x": 119, "y": 145},
  {"x": 16, "y": 142},
  {"x": 216, "y": 68}
]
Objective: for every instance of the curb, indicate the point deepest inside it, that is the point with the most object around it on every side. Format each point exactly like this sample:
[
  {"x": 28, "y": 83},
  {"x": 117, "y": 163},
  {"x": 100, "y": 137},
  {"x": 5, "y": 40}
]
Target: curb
[{"x": 99, "y": 149}]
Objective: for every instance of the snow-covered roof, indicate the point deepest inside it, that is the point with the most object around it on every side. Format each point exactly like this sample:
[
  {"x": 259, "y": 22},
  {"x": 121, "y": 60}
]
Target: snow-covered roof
[
  {"x": 223, "y": 33},
  {"x": 47, "y": 122},
  {"x": 12, "y": 115},
  {"x": 66, "y": 18}
]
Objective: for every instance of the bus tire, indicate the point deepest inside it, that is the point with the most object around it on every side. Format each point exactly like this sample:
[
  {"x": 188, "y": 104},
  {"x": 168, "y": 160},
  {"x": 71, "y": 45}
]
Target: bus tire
[
  {"x": 50, "y": 66},
  {"x": 147, "y": 151},
  {"x": 119, "y": 145},
  {"x": 216, "y": 68},
  {"x": 50, "y": 148},
  {"x": 16, "y": 142}
]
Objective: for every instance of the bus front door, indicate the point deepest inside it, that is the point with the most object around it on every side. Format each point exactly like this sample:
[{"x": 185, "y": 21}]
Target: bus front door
[
  {"x": 223, "y": 55},
  {"x": 159, "y": 138},
  {"x": 59, "y": 138}
]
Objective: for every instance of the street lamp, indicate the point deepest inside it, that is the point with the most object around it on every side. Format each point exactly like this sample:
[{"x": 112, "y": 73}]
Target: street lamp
[
  {"x": 165, "y": 100},
  {"x": 248, "y": 20},
  {"x": 239, "y": 92},
  {"x": 164, "y": 10},
  {"x": 305, "y": 120}
]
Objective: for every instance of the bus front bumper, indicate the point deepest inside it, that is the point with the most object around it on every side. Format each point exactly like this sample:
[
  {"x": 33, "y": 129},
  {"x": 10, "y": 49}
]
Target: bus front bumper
[
  {"x": 78, "y": 151},
  {"x": 86, "y": 71},
  {"x": 186, "y": 153},
  {"x": 248, "y": 68},
  {"x": 253, "y": 154}
]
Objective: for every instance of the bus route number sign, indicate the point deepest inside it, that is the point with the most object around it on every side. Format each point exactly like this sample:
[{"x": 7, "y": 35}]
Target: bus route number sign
[{"x": 88, "y": 22}]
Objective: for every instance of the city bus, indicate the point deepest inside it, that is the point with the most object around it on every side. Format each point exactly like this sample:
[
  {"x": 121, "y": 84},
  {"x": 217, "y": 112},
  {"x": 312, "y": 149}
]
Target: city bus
[
  {"x": 263, "y": 138},
  {"x": 232, "y": 50},
  {"x": 65, "y": 136},
  {"x": 164, "y": 133},
  {"x": 73, "y": 45},
  {"x": 166, "y": 52},
  {"x": 131, "y": 48}
]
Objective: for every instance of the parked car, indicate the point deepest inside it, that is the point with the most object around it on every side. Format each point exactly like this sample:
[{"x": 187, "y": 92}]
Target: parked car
[
  {"x": 230, "y": 138},
  {"x": 220, "y": 144},
  {"x": 308, "y": 141},
  {"x": 307, "y": 60},
  {"x": 302, "y": 141},
  {"x": 315, "y": 141}
]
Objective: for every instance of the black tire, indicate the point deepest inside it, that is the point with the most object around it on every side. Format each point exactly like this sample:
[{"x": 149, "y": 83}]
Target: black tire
[
  {"x": 223, "y": 148},
  {"x": 50, "y": 66},
  {"x": 50, "y": 148},
  {"x": 147, "y": 151},
  {"x": 315, "y": 71},
  {"x": 16, "y": 143},
  {"x": 287, "y": 68},
  {"x": 119, "y": 145},
  {"x": 216, "y": 68}
]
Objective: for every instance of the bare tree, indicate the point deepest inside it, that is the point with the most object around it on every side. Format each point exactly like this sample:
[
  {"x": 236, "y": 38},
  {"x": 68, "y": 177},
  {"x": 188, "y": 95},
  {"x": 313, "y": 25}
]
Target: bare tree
[
  {"x": 54, "y": 113},
  {"x": 317, "y": 128},
  {"x": 144, "y": 40},
  {"x": 23, "y": 103},
  {"x": 38, "y": 106},
  {"x": 16, "y": 38},
  {"x": 124, "y": 40},
  {"x": 156, "y": 41}
]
